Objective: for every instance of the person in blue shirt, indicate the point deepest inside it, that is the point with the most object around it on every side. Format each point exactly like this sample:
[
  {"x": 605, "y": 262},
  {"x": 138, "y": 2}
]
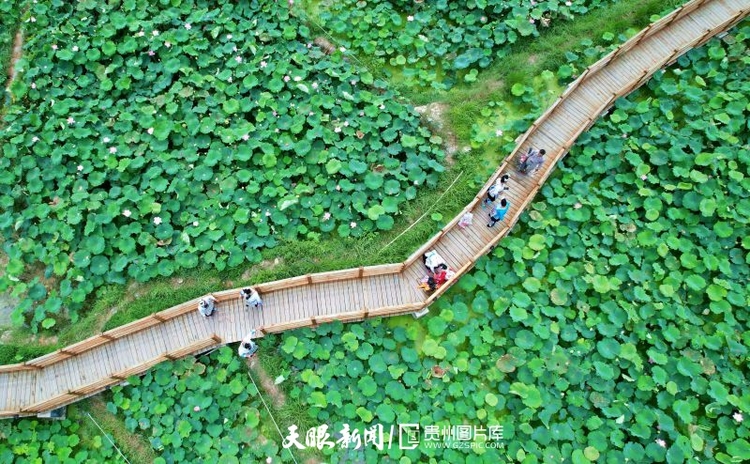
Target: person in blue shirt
[{"x": 499, "y": 213}]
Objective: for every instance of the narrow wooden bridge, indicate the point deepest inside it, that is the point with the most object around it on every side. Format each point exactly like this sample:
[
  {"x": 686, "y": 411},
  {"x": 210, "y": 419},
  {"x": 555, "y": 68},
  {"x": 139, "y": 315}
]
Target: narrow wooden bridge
[{"x": 88, "y": 367}]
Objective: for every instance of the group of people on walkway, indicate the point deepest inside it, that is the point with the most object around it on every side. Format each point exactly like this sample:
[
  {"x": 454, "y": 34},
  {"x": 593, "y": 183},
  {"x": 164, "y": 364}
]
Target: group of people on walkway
[
  {"x": 529, "y": 163},
  {"x": 438, "y": 271},
  {"x": 252, "y": 299}
]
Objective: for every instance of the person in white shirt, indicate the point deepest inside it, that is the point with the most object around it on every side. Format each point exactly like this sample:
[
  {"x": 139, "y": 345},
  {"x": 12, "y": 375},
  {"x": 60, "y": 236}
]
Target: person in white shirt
[
  {"x": 433, "y": 261},
  {"x": 252, "y": 298},
  {"x": 500, "y": 185},
  {"x": 247, "y": 346},
  {"x": 207, "y": 306}
]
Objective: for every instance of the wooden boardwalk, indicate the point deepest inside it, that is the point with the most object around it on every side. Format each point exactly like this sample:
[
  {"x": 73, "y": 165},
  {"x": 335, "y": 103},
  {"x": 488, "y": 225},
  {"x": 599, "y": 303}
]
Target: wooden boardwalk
[{"x": 90, "y": 366}]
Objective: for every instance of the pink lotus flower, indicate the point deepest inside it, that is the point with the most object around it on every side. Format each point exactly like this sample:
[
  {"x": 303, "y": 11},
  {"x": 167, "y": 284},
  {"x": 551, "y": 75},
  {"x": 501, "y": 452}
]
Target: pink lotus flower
[
  {"x": 188, "y": 26},
  {"x": 150, "y": 131},
  {"x": 661, "y": 442},
  {"x": 268, "y": 459},
  {"x": 263, "y": 64},
  {"x": 71, "y": 121},
  {"x": 531, "y": 20},
  {"x": 246, "y": 137},
  {"x": 54, "y": 47},
  {"x": 238, "y": 59},
  {"x": 197, "y": 408},
  {"x": 737, "y": 416},
  {"x": 286, "y": 78},
  {"x": 499, "y": 132},
  {"x": 157, "y": 220},
  {"x": 126, "y": 213},
  {"x": 483, "y": 19},
  {"x": 80, "y": 167},
  {"x": 352, "y": 224},
  {"x": 326, "y": 216},
  {"x": 644, "y": 177},
  {"x": 314, "y": 85},
  {"x": 113, "y": 150},
  {"x": 151, "y": 53}
]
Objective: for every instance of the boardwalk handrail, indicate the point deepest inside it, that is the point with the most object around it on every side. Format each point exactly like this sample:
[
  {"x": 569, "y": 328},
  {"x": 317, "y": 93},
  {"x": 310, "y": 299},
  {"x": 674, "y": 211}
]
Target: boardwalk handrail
[{"x": 78, "y": 349}]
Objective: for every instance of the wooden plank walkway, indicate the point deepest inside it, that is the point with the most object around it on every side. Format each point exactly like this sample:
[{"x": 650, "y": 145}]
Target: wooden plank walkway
[{"x": 90, "y": 366}]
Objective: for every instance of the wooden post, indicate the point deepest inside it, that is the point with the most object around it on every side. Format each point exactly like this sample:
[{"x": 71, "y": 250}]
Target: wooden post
[
  {"x": 361, "y": 271},
  {"x": 69, "y": 353},
  {"x": 75, "y": 393},
  {"x": 158, "y": 317},
  {"x": 309, "y": 279},
  {"x": 366, "y": 313},
  {"x": 314, "y": 322},
  {"x": 262, "y": 330},
  {"x": 33, "y": 366},
  {"x": 117, "y": 377},
  {"x": 107, "y": 337},
  {"x": 169, "y": 356},
  {"x": 216, "y": 338}
]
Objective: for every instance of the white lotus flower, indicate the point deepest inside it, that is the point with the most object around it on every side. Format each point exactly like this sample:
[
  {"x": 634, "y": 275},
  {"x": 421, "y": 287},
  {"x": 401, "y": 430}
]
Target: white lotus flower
[
  {"x": 113, "y": 150},
  {"x": 188, "y": 26},
  {"x": 150, "y": 131},
  {"x": 157, "y": 220},
  {"x": 80, "y": 167},
  {"x": 126, "y": 213}
]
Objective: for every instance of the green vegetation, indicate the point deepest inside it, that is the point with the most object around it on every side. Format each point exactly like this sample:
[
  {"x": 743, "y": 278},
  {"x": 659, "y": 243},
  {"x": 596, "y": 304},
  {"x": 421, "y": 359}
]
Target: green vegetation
[
  {"x": 51, "y": 441},
  {"x": 145, "y": 153},
  {"x": 10, "y": 17},
  {"x": 197, "y": 410},
  {"x": 434, "y": 43},
  {"x": 614, "y": 325}
]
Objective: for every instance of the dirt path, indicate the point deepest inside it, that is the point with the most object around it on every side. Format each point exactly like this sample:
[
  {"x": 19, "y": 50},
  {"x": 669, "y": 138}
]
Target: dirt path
[
  {"x": 266, "y": 383},
  {"x": 17, "y": 52}
]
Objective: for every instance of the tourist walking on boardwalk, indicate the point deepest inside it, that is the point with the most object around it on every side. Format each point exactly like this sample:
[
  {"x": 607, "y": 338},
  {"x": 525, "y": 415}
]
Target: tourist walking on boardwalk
[
  {"x": 532, "y": 161},
  {"x": 499, "y": 212},
  {"x": 247, "y": 346},
  {"x": 252, "y": 298},
  {"x": 465, "y": 221},
  {"x": 207, "y": 306},
  {"x": 500, "y": 185}
]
